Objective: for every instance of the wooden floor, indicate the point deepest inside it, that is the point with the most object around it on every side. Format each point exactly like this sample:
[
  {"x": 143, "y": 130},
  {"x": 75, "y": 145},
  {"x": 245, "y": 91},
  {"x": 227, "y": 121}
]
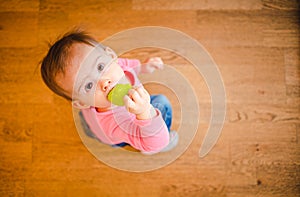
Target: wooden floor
[{"x": 256, "y": 47}]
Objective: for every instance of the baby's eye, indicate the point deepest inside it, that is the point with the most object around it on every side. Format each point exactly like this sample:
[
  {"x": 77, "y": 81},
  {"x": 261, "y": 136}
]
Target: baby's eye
[
  {"x": 88, "y": 86},
  {"x": 100, "y": 67}
]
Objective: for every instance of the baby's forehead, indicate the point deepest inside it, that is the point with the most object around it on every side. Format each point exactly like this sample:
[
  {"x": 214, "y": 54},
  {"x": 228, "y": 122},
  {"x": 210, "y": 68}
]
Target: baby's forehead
[
  {"x": 77, "y": 53},
  {"x": 82, "y": 54}
]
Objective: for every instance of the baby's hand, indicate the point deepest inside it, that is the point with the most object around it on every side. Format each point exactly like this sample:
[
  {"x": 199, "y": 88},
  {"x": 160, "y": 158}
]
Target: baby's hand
[
  {"x": 138, "y": 102},
  {"x": 152, "y": 64}
]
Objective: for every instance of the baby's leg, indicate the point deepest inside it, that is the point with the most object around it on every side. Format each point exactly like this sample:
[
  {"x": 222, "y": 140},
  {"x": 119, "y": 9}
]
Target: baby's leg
[{"x": 164, "y": 106}]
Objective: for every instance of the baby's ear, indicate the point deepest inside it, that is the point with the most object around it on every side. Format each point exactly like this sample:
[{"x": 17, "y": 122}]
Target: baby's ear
[
  {"x": 110, "y": 52},
  {"x": 79, "y": 105}
]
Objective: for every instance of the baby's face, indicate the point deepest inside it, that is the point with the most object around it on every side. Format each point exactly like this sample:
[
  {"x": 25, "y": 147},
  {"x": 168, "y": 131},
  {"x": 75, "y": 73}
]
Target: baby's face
[{"x": 91, "y": 73}]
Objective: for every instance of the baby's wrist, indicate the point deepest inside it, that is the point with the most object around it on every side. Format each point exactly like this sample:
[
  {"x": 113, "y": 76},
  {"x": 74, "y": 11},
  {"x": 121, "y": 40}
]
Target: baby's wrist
[{"x": 147, "y": 114}]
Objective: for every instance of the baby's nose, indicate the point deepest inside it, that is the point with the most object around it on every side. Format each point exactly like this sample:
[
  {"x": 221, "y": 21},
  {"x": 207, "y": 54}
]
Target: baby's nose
[{"x": 104, "y": 84}]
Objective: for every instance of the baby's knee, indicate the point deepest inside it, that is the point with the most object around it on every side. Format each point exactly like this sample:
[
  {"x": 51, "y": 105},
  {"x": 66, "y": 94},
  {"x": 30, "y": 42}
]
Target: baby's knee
[
  {"x": 160, "y": 98},
  {"x": 161, "y": 102}
]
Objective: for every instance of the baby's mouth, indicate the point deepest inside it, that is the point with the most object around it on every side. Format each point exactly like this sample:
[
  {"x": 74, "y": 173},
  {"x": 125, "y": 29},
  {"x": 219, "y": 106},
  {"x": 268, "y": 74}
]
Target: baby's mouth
[
  {"x": 111, "y": 87},
  {"x": 117, "y": 94},
  {"x": 122, "y": 80}
]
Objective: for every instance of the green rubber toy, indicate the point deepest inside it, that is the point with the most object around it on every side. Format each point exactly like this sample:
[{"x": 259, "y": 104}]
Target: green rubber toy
[{"x": 117, "y": 94}]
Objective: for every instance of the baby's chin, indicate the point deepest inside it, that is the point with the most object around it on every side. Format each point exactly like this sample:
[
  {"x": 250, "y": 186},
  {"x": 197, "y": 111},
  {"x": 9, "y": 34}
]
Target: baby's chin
[{"x": 104, "y": 107}]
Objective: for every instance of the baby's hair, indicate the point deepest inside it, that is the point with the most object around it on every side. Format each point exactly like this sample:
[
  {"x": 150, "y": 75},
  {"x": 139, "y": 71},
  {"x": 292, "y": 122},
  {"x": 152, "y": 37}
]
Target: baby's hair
[{"x": 58, "y": 58}]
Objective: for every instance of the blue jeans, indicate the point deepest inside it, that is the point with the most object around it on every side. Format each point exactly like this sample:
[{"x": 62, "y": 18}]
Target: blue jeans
[{"x": 159, "y": 102}]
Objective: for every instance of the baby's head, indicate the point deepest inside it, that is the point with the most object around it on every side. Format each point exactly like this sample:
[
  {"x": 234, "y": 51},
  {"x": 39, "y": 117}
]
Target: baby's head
[{"x": 81, "y": 70}]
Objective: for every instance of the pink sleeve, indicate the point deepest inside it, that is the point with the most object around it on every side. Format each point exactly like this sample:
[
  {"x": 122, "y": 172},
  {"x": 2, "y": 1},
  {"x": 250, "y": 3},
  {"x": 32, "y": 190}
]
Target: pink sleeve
[
  {"x": 145, "y": 135},
  {"x": 120, "y": 126},
  {"x": 154, "y": 134},
  {"x": 129, "y": 64}
]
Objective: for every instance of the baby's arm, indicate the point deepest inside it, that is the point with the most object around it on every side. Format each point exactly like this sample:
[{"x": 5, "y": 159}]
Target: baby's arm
[
  {"x": 152, "y": 64},
  {"x": 149, "y": 135},
  {"x": 155, "y": 133},
  {"x": 149, "y": 66}
]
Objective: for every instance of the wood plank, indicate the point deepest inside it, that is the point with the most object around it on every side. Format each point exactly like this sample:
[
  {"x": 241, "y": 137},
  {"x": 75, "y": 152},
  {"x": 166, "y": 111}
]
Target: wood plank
[
  {"x": 278, "y": 173},
  {"x": 263, "y": 114},
  {"x": 298, "y": 133},
  {"x": 15, "y": 30},
  {"x": 52, "y": 25},
  {"x": 79, "y": 6},
  {"x": 20, "y": 70},
  {"x": 19, "y": 65},
  {"x": 13, "y": 96},
  {"x": 262, "y": 154},
  {"x": 222, "y": 28},
  {"x": 281, "y": 4},
  {"x": 290, "y": 38},
  {"x": 277, "y": 133},
  {"x": 247, "y": 75},
  {"x": 103, "y": 23},
  {"x": 292, "y": 76},
  {"x": 196, "y": 5},
  {"x": 194, "y": 190},
  {"x": 15, "y": 157},
  {"x": 16, "y": 130},
  {"x": 286, "y": 27},
  {"x": 15, "y": 160},
  {"x": 242, "y": 76},
  {"x": 12, "y": 188},
  {"x": 52, "y": 188},
  {"x": 45, "y": 152},
  {"x": 252, "y": 114},
  {"x": 243, "y": 165},
  {"x": 260, "y": 28},
  {"x": 101, "y": 20},
  {"x": 59, "y": 121},
  {"x": 20, "y": 6}
]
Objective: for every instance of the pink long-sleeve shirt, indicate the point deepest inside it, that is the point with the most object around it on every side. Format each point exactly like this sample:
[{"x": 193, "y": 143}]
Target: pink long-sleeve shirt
[{"x": 118, "y": 125}]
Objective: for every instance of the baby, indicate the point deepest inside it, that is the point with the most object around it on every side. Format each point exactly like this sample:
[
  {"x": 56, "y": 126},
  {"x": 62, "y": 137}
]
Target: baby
[{"x": 84, "y": 71}]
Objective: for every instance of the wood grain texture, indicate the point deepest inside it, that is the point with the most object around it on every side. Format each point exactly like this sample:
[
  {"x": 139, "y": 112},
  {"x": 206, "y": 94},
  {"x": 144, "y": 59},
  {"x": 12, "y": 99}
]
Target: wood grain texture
[
  {"x": 15, "y": 31},
  {"x": 20, "y": 6},
  {"x": 256, "y": 47},
  {"x": 196, "y": 5}
]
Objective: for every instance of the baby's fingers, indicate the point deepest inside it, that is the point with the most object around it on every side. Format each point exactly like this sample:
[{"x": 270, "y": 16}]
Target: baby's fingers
[
  {"x": 142, "y": 92},
  {"x": 134, "y": 95},
  {"x": 129, "y": 104}
]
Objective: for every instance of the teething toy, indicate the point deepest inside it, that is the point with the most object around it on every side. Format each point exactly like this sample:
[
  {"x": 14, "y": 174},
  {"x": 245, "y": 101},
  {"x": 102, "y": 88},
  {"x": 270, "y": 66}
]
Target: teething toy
[{"x": 117, "y": 94}]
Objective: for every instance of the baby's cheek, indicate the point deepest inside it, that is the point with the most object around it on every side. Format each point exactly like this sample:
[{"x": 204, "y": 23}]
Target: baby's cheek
[
  {"x": 86, "y": 99},
  {"x": 100, "y": 100},
  {"x": 118, "y": 72}
]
